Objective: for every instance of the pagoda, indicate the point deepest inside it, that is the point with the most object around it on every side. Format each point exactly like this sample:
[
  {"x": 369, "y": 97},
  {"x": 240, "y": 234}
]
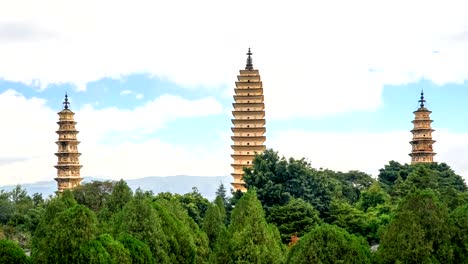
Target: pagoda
[
  {"x": 248, "y": 122},
  {"x": 68, "y": 165},
  {"x": 422, "y": 135}
]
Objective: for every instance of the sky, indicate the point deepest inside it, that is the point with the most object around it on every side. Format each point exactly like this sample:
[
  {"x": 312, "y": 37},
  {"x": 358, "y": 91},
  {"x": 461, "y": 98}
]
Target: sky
[{"x": 151, "y": 82}]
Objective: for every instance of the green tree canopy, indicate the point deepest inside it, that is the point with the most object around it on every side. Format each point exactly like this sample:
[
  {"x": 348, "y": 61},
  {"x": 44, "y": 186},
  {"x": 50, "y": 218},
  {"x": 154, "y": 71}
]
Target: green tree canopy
[
  {"x": 139, "y": 219},
  {"x": 93, "y": 194},
  {"x": 118, "y": 254},
  {"x": 277, "y": 180},
  {"x": 215, "y": 219},
  {"x": 459, "y": 225},
  {"x": 249, "y": 239},
  {"x": 92, "y": 252},
  {"x": 11, "y": 253},
  {"x": 329, "y": 244},
  {"x": 436, "y": 176},
  {"x": 139, "y": 252},
  {"x": 419, "y": 232},
  {"x": 297, "y": 217},
  {"x": 372, "y": 197},
  {"x": 63, "y": 237},
  {"x": 348, "y": 217}
]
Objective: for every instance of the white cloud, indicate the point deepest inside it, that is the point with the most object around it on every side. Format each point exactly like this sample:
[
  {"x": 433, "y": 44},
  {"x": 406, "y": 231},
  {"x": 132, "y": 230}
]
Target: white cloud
[
  {"x": 125, "y": 92},
  {"x": 139, "y": 96},
  {"x": 144, "y": 119},
  {"x": 367, "y": 152},
  {"x": 28, "y": 136},
  {"x": 310, "y": 53}
]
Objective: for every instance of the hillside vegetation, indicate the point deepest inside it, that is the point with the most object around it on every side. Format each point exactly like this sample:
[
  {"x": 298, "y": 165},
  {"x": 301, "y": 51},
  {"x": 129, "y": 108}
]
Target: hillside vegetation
[{"x": 292, "y": 213}]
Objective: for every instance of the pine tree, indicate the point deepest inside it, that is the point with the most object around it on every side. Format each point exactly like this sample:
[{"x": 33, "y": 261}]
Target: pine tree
[
  {"x": 249, "y": 239},
  {"x": 139, "y": 219},
  {"x": 419, "y": 232},
  {"x": 214, "y": 221}
]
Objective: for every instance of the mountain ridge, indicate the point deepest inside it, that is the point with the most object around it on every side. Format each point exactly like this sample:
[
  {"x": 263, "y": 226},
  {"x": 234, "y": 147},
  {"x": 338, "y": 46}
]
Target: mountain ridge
[{"x": 180, "y": 184}]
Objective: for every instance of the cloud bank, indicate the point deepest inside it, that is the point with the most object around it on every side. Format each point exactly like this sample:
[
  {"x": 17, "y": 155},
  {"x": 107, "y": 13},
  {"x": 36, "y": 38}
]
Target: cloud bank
[{"x": 310, "y": 53}]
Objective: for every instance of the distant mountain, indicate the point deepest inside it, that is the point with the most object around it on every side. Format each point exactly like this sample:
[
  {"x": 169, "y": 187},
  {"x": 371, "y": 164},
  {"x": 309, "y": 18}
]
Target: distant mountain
[{"x": 173, "y": 184}]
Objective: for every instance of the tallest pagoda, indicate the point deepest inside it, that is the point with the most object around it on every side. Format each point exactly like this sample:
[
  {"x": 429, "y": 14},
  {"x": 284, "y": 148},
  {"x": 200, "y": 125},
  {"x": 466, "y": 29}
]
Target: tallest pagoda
[
  {"x": 422, "y": 151},
  {"x": 248, "y": 122}
]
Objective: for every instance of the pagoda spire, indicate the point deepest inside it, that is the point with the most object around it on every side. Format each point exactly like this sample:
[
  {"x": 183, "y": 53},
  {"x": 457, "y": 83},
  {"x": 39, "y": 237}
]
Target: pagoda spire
[
  {"x": 66, "y": 104},
  {"x": 422, "y": 142},
  {"x": 422, "y": 101},
  {"x": 248, "y": 123},
  {"x": 249, "y": 65},
  {"x": 68, "y": 164}
]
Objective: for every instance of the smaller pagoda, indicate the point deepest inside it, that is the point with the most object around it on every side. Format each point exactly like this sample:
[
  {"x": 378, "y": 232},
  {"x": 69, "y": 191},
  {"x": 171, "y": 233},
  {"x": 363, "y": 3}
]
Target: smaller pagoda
[
  {"x": 68, "y": 165},
  {"x": 422, "y": 142}
]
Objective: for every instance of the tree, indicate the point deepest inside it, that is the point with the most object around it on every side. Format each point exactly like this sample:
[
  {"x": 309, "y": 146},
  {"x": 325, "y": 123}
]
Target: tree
[
  {"x": 6, "y": 207},
  {"x": 459, "y": 241},
  {"x": 12, "y": 253},
  {"x": 249, "y": 239},
  {"x": 189, "y": 229},
  {"x": 195, "y": 204},
  {"x": 40, "y": 242},
  {"x": 179, "y": 245},
  {"x": 93, "y": 194},
  {"x": 118, "y": 254},
  {"x": 121, "y": 194},
  {"x": 294, "y": 218},
  {"x": 93, "y": 252},
  {"x": 329, "y": 244},
  {"x": 277, "y": 180},
  {"x": 65, "y": 235},
  {"x": 222, "y": 193},
  {"x": 352, "y": 183},
  {"x": 419, "y": 232},
  {"x": 214, "y": 221},
  {"x": 373, "y": 197},
  {"x": 349, "y": 218},
  {"x": 139, "y": 251},
  {"x": 139, "y": 219},
  {"x": 390, "y": 173},
  {"x": 436, "y": 176}
]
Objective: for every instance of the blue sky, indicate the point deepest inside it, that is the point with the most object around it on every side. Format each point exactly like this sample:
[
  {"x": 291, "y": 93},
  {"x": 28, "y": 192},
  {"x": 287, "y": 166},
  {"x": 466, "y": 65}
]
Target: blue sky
[{"x": 152, "y": 93}]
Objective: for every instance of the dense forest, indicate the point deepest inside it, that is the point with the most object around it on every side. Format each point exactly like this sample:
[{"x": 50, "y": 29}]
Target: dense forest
[{"x": 292, "y": 213}]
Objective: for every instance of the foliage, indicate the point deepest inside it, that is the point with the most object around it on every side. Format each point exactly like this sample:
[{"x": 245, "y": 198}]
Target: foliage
[
  {"x": 121, "y": 194},
  {"x": 294, "y": 218},
  {"x": 329, "y": 244},
  {"x": 66, "y": 234},
  {"x": 179, "y": 245},
  {"x": 419, "y": 233},
  {"x": 436, "y": 176},
  {"x": 92, "y": 252},
  {"x": 352, "y": 183},
  {"x": 349, "y": 218},
  {"x": 459, "y": 224},
  {"x": 222, "y": 193},
  {"x": 195, "y": 204},
  {"x": 12, "y": 253},
  {"x": 418, "y": 213},
  {"x": 249, "y": 239},
  {"x": 118, "y": 254},
  {"x": 214, "y": 222},
  {"x": 391, "y": 172},
  {"x": 277, "y": 180},
  {"x": 93, "y": 194},
  {"x": 139, "y": 219},
  {"x": 373, "y": 197},
  {"x": 139, "y": 251}
]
